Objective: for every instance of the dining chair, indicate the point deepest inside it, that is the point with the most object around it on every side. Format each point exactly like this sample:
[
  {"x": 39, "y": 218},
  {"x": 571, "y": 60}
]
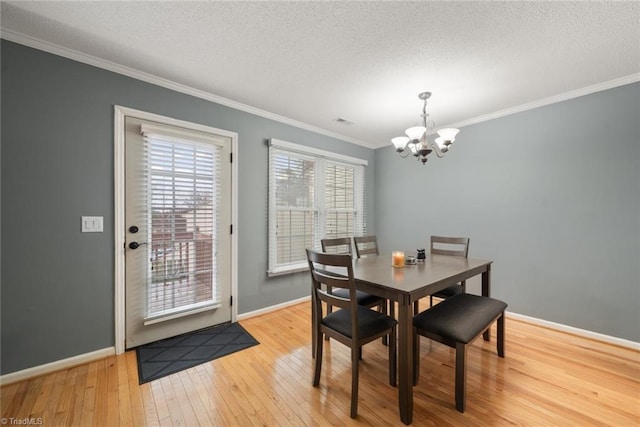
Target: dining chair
[
  {"x": 366, "y": 245},
  {"x": 457, "y": 322},
  {"x": 343, "y": 245},
  {"x": 352, "y": 325},
  {"x": 451, "y": 246}
]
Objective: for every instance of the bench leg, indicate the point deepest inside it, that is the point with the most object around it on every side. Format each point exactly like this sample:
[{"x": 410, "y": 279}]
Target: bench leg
[
  {"x": 501, "y": 335},
  {"x": 461, "y": 376}
]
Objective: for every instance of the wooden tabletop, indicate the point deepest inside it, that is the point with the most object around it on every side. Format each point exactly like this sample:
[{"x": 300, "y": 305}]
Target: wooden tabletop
[{"x": 417, "y": 281}]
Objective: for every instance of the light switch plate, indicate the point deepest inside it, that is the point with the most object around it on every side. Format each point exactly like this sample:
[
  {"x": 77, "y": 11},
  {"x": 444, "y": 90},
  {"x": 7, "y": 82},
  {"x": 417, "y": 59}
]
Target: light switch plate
[{"x": 92, "y": 224}]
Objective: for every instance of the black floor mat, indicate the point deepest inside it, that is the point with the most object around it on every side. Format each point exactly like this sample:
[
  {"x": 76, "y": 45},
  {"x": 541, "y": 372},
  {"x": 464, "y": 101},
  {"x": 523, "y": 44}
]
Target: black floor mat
[{"x": 161, "y": 358}]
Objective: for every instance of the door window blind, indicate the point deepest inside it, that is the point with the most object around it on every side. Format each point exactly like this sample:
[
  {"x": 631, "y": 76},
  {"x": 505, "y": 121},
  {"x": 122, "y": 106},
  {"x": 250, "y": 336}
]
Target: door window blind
[
  {"x": 311, "y": 196},
  {"x": 182, "y": 193}
]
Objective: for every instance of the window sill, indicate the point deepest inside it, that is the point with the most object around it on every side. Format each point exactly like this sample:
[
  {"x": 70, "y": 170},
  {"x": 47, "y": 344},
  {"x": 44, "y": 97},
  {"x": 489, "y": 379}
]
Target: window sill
[{"x": 287, "y": 270}]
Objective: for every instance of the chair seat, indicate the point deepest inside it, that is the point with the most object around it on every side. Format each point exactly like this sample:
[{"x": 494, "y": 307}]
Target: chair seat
[
  {"x": 370, "y": 322},
  {"x": 448, "y": 292},
  {"x": 362, "y": 298},
  {"x": 460, "y": 318}
]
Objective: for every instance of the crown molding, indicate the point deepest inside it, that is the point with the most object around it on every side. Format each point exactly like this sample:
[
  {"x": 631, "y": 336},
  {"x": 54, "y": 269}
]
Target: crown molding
[
  {"x": 632, "y": 78},
  {"x": 84, "y": 58},
  {"x": 55, "y": 49}
]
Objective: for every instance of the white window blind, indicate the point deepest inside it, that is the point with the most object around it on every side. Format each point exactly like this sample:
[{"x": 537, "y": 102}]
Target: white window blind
[
  {"x": 344, "y": 200},
  {"x": 182, "y": 193},
  {"x": 312, "y": 195}
]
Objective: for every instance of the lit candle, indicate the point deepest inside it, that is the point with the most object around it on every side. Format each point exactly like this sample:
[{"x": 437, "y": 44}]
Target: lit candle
[{"x": 398, "y": 259}]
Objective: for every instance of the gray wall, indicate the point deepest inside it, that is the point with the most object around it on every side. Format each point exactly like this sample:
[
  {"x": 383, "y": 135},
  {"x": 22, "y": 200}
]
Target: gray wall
[
  {"x": 551, "y": 195},
  {"x": 57, "y": 165}
]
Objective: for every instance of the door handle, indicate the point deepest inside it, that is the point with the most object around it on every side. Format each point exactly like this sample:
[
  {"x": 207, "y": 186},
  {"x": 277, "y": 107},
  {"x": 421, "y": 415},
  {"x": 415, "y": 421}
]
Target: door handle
[{"x": 136, "y": 245}]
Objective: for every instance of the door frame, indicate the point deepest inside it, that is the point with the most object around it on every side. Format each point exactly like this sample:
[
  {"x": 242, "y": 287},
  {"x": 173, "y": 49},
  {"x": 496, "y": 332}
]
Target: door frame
[{"x": 120, "y": 113}]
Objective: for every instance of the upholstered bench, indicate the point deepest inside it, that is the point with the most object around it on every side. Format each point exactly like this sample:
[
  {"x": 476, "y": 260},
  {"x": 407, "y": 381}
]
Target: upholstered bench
[{"x": 456, "y": 322}]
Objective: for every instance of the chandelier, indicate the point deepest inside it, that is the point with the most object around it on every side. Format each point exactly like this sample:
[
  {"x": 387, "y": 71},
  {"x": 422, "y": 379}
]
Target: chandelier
[{"x": 417, "y": 140}]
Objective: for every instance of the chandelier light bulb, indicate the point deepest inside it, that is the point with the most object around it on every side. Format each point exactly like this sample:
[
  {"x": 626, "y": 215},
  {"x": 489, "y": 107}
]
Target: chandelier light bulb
[
  {"x": 415, "y": 133},
  {"x": 448, "y": 134},
  {"x": 400, "y": 142},
  {"x": 442, "y": 144}
]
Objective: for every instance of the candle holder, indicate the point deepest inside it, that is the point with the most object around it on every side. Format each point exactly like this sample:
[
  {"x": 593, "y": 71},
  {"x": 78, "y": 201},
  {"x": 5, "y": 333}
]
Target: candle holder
[{"x": 397, "y": 259}]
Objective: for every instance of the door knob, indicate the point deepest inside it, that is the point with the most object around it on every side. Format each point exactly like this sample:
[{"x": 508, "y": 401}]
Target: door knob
[{"x": 136, "y": 245}]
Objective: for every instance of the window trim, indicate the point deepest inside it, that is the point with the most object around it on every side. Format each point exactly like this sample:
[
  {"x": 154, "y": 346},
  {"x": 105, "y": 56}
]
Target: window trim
[
  {"x": 315, "y": 152},
  {"x": 321, "y": 158}
]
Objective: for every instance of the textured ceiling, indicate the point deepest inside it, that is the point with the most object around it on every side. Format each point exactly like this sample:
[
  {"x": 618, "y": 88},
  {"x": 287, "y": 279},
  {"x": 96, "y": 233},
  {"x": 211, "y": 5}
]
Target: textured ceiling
[{"x": 365, "y": 62}]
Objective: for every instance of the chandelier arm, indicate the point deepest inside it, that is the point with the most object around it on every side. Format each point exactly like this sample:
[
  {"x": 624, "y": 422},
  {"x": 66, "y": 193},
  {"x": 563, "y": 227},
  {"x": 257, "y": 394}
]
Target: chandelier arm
[
  {"x": 437, "y": 150},
  {"x": 407, "y": 153}
]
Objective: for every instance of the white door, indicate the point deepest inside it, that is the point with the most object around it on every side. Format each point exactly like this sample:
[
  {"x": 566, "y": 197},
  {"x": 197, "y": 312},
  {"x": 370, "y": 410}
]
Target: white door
[{"x": 178, "y": 230}]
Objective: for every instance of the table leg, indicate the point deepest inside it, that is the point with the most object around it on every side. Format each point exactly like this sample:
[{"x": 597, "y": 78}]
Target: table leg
[
  {"x": 486, "y": 291},
  {"x": 405, "y": 361}
]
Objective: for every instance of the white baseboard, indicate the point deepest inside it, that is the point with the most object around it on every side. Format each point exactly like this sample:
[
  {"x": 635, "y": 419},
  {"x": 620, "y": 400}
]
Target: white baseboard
[
  {"x": 80, "y": 359},
  {"x": 575, "y": 331},
  {"x": 110, "y": 351},
  {"x": 528, "y": 319},
  {"x": 56, "y": 366},
  {"x": 266, "y": 310}
]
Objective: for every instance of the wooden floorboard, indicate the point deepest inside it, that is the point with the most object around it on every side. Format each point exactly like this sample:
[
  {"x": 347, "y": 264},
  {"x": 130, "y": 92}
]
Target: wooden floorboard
[{"x": 547, "y": 378}]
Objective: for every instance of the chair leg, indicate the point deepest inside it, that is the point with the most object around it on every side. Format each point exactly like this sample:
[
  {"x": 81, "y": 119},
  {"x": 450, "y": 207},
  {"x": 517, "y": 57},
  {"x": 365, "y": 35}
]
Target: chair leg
[
  {"x": 329, "y": 309},
  {"x": 501, "y": 335},
  {"x": 416, "y": 307},
  {"x": 314, "y": 338},
  {"x": 355, "y": 363},
  {"x": 392, "y": 358},
  {"x": 461, "y": 376},
  {"x": 430, "y": 301},
  {"x": 318, "y": 368},
  {"x": 416, "y": 357},
  {"x": 383, "y": 310}
]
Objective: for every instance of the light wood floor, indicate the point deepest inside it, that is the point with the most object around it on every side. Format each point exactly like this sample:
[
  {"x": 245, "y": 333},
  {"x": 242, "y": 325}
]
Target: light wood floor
[{"x": 547, "y": 378}]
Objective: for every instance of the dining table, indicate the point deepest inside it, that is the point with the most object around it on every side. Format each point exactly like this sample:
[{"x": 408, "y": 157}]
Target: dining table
[{"x": 404, "y": 285}]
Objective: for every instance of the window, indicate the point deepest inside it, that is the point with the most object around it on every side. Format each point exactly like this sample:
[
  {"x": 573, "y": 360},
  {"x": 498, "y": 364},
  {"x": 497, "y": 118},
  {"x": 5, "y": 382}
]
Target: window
[
  {"x": 313, "y": 194},
  {"x": 181, "y": 189}
]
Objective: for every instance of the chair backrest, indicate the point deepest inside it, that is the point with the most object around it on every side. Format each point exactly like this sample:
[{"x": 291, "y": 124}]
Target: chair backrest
[
  {"x": 319, "y": 276},
  {"x": 340, "y": 245},
  {"x": 453, "y": 246},
  {"x": 366, "y": 245}
]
